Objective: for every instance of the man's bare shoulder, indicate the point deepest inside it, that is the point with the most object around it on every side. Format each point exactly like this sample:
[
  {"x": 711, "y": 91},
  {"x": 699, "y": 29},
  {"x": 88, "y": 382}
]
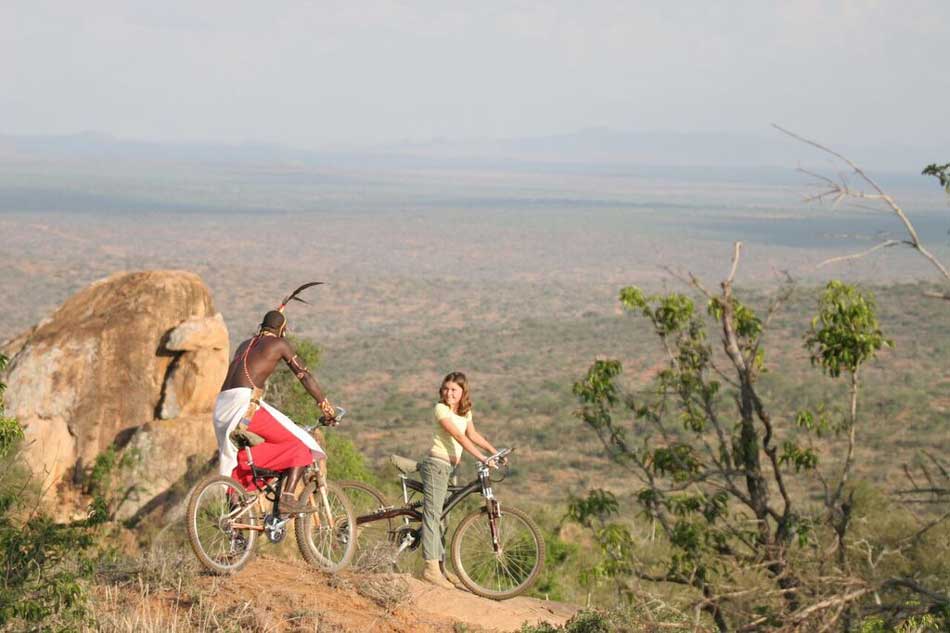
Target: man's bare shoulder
[
  {"x": 278, "y": 347},
  {"x": 241, "y": 347}
]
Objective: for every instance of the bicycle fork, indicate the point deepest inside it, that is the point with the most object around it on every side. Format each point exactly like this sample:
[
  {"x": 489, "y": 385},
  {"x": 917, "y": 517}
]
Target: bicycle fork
[
  {"x": 324, "y": 500},
  {"x": 493, "y": 508}
]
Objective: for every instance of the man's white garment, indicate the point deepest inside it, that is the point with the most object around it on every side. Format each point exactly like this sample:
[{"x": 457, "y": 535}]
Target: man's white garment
[{"x": 229, "y": 408}]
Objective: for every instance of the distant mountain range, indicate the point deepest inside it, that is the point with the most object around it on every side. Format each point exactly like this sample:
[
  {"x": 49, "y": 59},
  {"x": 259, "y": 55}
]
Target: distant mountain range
[{"x": 591, "y": 148}]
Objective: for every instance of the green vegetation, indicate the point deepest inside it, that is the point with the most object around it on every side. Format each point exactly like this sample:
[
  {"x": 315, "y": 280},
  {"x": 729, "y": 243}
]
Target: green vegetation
[
  {"x": 284, "y": 391},
  {"x": 940, "y": 172},
  {"x": 101, "y": 483},
  {"x": 584, "y": 622},
  {"x": 728, "y": 478},
  {"x": 41, "y": 561},
  {"x": 624, "y": 620}
]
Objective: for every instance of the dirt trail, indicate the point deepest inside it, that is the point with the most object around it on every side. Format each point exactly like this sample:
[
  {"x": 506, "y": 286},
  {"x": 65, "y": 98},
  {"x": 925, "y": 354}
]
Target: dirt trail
[
  {"x": 507, "y": 615},
  {"x": 303, "y": 599}
]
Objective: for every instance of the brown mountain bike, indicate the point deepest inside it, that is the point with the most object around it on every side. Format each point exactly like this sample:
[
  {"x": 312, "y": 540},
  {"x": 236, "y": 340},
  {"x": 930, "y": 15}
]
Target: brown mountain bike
[
  {"x": 498, "y": 551},
  {"x": 224, "y": 519}
]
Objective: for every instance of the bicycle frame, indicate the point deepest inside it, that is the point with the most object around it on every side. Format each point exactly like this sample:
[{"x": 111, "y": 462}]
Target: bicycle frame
[
  {"x": 410, "y": 511},
  {"x": 271, "y": 491}
]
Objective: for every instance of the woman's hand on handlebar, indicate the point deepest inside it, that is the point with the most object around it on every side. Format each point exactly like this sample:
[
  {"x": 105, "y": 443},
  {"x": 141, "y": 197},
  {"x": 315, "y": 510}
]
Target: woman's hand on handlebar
[{"x": 498, "y": 459}]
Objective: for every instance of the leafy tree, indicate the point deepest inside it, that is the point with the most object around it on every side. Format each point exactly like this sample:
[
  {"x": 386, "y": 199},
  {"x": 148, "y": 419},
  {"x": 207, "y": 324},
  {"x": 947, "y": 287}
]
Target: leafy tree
[
  {"x": 843, "y": 336},
  {"x": 723, "y": 476}
]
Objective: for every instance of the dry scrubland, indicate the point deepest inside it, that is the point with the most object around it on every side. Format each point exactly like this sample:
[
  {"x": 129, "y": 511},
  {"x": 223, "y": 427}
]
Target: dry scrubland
[{"x": 512, "y": 279}]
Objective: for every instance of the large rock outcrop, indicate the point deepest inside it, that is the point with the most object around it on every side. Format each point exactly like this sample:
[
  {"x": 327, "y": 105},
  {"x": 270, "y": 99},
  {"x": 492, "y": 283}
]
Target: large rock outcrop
[{"x": 129, "y": 350}]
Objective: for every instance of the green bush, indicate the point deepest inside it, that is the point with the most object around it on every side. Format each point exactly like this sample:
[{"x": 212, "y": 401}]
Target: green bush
[
  {"x": 284, "y": 391},
  {"x": 344, "y": 460}
]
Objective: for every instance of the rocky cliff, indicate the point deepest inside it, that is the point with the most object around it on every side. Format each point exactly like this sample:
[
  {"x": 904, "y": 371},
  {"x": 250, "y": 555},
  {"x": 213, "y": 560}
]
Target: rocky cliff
[{"x": 133, "y": 359}]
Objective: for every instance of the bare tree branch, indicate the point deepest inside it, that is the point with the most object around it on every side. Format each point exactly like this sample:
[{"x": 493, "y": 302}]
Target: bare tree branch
[
  {"x": 843, "y": 258},
  {"x": 735, "y": 263},
  {"x": 841, "y": 191}
]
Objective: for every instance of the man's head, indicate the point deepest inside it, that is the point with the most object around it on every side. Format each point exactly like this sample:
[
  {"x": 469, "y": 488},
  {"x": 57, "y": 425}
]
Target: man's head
[{"x": 274, "y": 322}]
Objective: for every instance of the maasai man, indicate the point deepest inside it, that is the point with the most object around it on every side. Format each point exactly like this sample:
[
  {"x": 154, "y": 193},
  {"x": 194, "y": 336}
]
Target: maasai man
[{"x": 286, "y": 445}]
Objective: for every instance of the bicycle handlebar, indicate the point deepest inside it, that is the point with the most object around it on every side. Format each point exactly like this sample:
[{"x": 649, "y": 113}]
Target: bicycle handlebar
[
  {"x": 322, "y": 420},
  {"x": 503, "y": 453}
]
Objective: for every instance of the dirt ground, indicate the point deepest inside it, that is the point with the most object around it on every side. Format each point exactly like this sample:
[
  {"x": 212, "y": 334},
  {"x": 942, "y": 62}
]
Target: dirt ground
[{"x": 279, "y": 596}]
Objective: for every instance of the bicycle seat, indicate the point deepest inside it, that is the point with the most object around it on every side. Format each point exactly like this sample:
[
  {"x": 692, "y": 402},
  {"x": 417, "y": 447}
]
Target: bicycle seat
[
  {"x": 404, "y": 464},
  {"x": 242, "y": 438}
]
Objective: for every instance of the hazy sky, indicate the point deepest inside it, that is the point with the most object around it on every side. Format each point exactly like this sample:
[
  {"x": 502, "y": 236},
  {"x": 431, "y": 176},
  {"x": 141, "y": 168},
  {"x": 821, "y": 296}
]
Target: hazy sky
[{"x": 316, "y": 73}]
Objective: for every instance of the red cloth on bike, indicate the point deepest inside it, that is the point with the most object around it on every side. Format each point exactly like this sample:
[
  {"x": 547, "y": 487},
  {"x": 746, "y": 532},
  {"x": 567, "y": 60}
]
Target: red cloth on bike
[{"x": 280, "y": 450}]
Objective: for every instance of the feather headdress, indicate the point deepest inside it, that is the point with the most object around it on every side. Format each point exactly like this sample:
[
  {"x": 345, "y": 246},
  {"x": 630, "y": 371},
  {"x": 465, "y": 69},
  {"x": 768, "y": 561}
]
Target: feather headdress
[{"x": 293, "y": 295}]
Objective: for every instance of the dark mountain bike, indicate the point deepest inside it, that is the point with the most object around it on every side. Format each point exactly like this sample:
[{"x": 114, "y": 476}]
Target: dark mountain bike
[
  {"x": 498, "y": 551},
  {"x": 224, "y": 519}
]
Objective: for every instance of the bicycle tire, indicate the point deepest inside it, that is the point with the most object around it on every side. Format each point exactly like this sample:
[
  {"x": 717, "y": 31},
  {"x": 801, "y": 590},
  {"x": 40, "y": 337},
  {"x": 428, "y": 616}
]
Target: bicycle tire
[
  {"x": 480, "y": 569},
  {"x": 209, "y": 504},
  {"x": 330, "y": 552},
  {"x": 365, "y": 500}
]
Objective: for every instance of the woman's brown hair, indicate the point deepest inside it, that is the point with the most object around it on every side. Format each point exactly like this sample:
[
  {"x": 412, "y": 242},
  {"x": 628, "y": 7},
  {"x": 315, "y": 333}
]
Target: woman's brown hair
[{"x": 465, "y": 402}]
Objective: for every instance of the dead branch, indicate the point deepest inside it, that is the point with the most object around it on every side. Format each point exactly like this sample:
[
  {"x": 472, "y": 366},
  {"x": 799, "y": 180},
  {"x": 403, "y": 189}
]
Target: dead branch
[
  {"x": 844, "y": 258},
  {"x": 907, "y": 583},
  {"x": 841, "y": 191},
  {"x": 735, "y": 263}
]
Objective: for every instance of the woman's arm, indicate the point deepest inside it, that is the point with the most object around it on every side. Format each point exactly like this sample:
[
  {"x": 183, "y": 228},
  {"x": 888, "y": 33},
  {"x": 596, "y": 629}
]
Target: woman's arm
[
  {"x": 479, "y": 439},
  {"x": 461, "y": 438}
]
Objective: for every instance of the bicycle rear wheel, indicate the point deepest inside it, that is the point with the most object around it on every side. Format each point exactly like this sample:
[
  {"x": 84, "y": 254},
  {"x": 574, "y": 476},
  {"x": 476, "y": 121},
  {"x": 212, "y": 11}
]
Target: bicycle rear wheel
[
  {"x": 504, "y": 573},
  {"x": 373, "y": 538},
  {"x": 327, "y": 536},
  {"x": 220, "y": 518}
]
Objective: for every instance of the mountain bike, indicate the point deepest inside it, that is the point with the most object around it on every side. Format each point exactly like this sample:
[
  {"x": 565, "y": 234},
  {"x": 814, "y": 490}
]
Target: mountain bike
[
  {"x": 498, "y": 551},
  {"x": 224, "y": 519}
]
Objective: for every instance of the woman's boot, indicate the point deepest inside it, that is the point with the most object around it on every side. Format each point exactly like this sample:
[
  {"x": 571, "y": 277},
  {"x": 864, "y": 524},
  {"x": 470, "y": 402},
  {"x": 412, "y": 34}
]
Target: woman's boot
[
  {"x": 433, "y": 574},
  {"x": 452, "y": 578}
]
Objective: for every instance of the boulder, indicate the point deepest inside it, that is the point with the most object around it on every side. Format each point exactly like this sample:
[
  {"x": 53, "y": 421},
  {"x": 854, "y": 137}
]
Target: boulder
[
  {"x": 99, "y": 367},
  {"x": 198, "y": 333},
  {"x": 168, "y": 456},
  {"x": 193, "y": 382}
]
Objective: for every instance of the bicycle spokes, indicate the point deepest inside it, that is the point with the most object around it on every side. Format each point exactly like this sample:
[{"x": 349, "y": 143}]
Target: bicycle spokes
[
  {"x": 327, "y": 535},
  {"x": 222, "y": 524},
  {"x": 499, "y": 556}
]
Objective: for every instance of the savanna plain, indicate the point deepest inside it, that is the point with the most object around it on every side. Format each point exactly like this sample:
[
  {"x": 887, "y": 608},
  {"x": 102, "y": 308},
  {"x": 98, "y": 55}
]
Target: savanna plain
[{"x": 512, "y": 276}]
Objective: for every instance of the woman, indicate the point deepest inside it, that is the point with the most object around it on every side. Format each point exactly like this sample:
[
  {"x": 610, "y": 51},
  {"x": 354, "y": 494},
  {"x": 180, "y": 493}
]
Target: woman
[{"x": 454, "y": 431}]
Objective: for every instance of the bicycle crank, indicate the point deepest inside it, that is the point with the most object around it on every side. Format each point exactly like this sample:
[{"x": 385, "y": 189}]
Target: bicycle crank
[
  {"x": 275, "y": 528},
  {"x": 406, "y": 537}
]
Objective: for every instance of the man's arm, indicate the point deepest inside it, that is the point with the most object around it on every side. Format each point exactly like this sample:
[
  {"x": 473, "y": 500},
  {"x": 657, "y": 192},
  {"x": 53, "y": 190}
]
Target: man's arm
[{"x": 307, "y": 380}]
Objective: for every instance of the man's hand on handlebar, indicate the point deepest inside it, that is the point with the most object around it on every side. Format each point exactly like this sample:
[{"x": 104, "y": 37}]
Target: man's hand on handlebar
[{"x": 331, "y": 415}]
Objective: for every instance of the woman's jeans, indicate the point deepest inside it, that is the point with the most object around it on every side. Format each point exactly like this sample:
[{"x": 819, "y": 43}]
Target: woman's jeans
[{"x": 435, "y": 480}]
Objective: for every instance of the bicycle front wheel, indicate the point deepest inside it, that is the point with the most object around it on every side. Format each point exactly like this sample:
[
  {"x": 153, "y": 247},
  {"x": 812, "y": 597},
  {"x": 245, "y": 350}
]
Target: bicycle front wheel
[
  {"x": 221, "y": 519},
  {"x": 503, "y": 572},
  {"x": 326, "y": 536}
]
